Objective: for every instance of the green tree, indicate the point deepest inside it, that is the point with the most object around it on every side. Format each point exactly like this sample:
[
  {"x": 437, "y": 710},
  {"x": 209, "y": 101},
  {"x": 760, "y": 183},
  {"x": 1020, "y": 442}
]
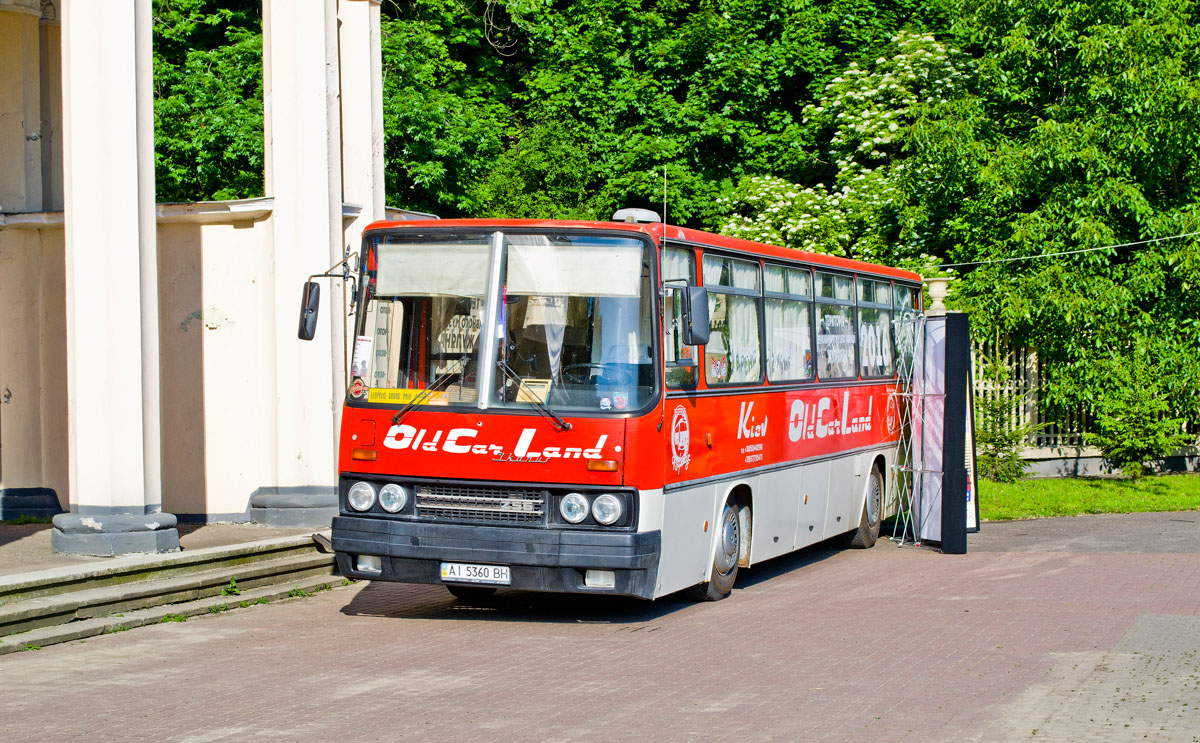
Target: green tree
[
  {"x": 447, "y": 94},
  {"x": 873, "y": 207},
  {"x": 208, "y": 107},
  {"x": 1087, "y": 110},
  {"x": 1133, "y": 422}
]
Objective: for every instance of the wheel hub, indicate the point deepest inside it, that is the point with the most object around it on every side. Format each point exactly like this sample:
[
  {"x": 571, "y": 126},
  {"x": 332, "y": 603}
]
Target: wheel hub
[{"x": 727, "y": 553}]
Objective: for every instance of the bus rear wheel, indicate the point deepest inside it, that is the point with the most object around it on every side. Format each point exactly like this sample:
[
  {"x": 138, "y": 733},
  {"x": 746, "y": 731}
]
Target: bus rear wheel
[
  {"x": 470, "y": 594},
  {"x": 725, "y": 563},
  {"x": 868, "y": 524}
]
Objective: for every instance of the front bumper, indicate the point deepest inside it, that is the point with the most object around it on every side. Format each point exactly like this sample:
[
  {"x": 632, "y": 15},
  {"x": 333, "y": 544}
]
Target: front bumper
[{"x": 540, "y": 559}]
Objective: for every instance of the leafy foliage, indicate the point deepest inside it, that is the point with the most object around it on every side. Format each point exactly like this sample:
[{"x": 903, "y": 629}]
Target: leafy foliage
[
  {"x": 969, "y": 132},
  {"x": 600, "y": 97},
  {"x": 865, "y": 116},
  {"x": 208, "y": 106},
  {"x": 1134, "y": 426}
]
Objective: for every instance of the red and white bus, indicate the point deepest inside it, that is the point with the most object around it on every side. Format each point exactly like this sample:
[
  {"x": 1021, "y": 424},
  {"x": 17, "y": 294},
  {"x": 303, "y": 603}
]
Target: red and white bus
[{"x": 623, "y": 407}]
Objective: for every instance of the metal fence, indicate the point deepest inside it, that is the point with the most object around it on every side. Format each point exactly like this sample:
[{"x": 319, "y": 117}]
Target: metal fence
[{"x": 1025, "y": 378}]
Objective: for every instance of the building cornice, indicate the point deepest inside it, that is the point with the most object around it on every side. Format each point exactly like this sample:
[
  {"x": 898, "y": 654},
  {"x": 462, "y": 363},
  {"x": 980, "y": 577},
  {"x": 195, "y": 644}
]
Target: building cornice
[
  {"x": 215, "y": 212},
  {"x": 25, "y": 7}
]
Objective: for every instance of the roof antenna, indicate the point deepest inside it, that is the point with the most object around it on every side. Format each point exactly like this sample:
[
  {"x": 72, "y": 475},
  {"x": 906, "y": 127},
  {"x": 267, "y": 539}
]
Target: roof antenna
[{"x": 664, "y": 194}]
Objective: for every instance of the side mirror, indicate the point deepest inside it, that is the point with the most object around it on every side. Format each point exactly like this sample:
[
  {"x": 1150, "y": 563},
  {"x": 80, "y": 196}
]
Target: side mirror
[
  {"x": 696, "y": 325},
  {"x": 310, "y": 302}
]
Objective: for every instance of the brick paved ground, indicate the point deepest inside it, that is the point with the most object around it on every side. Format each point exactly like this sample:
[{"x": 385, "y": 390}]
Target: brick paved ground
[{"x": 1067, "y": 643}]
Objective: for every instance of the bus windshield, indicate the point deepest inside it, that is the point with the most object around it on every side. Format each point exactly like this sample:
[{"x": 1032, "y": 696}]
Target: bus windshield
[{"x": 571, "y": 312}]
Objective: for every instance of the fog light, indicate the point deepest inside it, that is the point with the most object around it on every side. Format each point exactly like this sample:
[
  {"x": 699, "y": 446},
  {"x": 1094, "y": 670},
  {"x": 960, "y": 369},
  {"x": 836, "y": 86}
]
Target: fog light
[
  {"x": 600, "y": 579},
  {"x": 369, "y": 564}
]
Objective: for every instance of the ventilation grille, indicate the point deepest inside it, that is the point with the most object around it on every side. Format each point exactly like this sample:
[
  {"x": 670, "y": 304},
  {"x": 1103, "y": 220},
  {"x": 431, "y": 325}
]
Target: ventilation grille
[{"x": 487, "y": 505}]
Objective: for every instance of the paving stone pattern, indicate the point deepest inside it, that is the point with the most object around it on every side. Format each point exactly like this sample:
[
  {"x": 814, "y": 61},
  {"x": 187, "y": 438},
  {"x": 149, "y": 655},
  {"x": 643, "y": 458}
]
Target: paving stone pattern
[{"x": 891, "y": 644}]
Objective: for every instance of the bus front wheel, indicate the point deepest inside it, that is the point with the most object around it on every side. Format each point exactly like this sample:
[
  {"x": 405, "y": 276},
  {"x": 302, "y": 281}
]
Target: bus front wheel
[
  {"x": 725, "y": 563},
  {"x": 868, "y": 524}
]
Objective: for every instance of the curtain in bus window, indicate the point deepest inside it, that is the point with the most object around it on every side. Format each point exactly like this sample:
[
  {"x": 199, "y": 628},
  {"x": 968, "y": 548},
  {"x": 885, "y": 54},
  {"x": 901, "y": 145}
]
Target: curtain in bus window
[
  {"x": 789, "y": 351},
  {"x": 743, "y": 339},
  {"x": 732, "y": 353},
  {"x": 782, "y": 280},
  {"x": 875, "y": 342},
  {"x": 835, "y": 341},
  {"x": 457, "y": 269},
  {"x": 676, "y": 265},
  {"x": 601, "y": 267}
]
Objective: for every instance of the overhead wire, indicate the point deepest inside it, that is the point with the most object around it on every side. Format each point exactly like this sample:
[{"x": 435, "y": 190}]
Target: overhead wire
[{"x": 1068, "y": 252}]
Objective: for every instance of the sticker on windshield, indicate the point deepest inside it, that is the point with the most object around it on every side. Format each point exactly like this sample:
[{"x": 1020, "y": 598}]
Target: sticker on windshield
[
  {"x": 405, "y": 396},
  {"x": 363, "y": 346}
]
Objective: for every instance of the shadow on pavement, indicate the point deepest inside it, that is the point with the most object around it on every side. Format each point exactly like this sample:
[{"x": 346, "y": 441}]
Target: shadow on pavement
[
  {"x": 10, "y": 533},
  {"x": 409, "y": 601},
  {"x": 773, "y": 568},
  {"x": 413, "y": 601}
]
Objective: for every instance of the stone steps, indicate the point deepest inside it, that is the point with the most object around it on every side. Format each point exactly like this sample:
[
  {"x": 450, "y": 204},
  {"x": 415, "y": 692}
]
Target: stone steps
[
  {"x": 34, "y": 603},
  {"x": 137, "y": 568},
  {"x": 84, "y": 628}
]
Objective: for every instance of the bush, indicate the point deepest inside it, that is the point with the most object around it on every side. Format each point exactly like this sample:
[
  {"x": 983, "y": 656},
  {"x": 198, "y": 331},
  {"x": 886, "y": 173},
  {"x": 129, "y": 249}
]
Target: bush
[{"x": 1133, "y": 420}]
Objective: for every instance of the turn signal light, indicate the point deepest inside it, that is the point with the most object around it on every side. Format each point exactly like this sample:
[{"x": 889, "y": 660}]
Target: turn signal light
[
  {"x": 602, "y": 465},
  {"x": 366, "y": 455}
]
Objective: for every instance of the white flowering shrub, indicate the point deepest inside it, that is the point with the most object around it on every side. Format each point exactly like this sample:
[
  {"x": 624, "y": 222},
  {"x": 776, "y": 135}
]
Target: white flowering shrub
[{"x": 869, "y": 211}]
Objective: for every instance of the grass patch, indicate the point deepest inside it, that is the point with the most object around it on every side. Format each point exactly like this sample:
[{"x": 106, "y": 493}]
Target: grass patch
[
  {"x": 24, "y": 519},
  {"x": 217, "y": 609},
  {"x": 1042, "y": 498},
  {"x": 174, "y": 618}
]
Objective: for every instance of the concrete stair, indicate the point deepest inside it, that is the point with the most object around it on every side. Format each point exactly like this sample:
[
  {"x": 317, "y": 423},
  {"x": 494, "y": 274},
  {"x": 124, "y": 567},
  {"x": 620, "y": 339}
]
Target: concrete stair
[{"x": 78, "y": 601}]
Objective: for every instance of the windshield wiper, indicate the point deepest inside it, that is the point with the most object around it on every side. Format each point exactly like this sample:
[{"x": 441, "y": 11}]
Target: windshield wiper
[
  {"x": 426, "y": 393},
  {"x": 538, "y": 405}
]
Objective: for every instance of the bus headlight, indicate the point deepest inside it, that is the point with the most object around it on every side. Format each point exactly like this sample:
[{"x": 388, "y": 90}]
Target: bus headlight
[
  {"x": 606, "y": 509},
  {"x": 393, "y": 497},
  {"x": 361, "y": 496},
  {"x": 573, "y": 507}
]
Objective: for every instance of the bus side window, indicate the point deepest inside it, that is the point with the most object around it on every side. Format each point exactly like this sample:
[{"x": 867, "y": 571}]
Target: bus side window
[
  {"x": 788, "y": 314},
  {"x": 733, "y": 353},
  {"x": 835, "y": 326},
  {"x": 875, "y": 355},
  {"x": 678, "y": 265}
]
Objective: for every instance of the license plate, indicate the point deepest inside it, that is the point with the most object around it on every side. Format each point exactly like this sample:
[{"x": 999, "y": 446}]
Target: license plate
[{"x": 459, "y": 572}]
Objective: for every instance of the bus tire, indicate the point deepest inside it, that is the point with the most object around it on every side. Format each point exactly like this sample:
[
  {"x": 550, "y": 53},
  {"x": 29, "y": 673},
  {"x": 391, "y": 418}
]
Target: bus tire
[
  {"x": 868, "y": 525},
  {"x": 725, "y": 563},
  {"x": 471, "y": 594}
]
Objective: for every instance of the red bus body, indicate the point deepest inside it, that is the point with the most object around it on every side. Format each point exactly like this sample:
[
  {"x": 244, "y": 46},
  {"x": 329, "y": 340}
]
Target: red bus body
[{"x": 794, "y": 457}]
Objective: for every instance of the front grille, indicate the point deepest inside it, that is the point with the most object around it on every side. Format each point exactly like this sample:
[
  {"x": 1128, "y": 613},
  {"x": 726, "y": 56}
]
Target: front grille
[{"x": 488, "y": 505}]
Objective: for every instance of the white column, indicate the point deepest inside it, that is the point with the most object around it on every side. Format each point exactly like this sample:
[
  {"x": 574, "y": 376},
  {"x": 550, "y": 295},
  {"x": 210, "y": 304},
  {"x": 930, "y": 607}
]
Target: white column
[
  {"x": 362, "y": 112},
  {"x": 361, "y": 62},
  {"x": 300, "y": 98},
  {"x": 111, "y": 296}
]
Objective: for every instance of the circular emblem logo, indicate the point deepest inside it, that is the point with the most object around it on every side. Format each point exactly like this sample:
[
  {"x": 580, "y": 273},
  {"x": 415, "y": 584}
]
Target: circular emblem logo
[
  {"x": 681, "y": 439},
  {"x": 891, "y": 415}
]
